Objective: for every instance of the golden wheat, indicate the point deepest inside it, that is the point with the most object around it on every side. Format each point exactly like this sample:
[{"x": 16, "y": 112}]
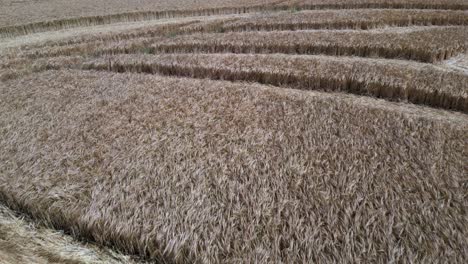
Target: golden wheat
[
  {"x": 390, "y": 79},
  {"x": 396, "y": 4},
  {"x": 426, "y": 45},
  {"x": 22, "y": 21},
  {"x": 195, "y": 170},
  {"x": 12, "y": 31},
  {"x": 92, "y": 12},
  {"x": 169, "y": 29},
  {"x": 23, "y": 241},
  {"x": 420, "y": 44},
  {"x": 353, "y": 19},
  {"x": 394, "y": 80},
  {"x": 182, "y": 169}
]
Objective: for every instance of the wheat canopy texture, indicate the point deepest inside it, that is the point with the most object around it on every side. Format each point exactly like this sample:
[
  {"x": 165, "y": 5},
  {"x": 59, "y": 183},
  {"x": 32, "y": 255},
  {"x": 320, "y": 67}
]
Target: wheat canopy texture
[
  {"x": 23, "y": 241},
  {"x": 234, "y": 131}
]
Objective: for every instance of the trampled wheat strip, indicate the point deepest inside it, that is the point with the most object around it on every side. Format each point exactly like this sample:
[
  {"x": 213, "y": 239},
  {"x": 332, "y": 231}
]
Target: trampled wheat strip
[
  {"x": 331, "y": 19},
  {"x": 24, "y": 241},
  {"x": 141, "y": 37},
  {"x": 394, "y": 80},
  {"x": 185, "y": 170},
  {"x": 426, "y": 45},
  {"x": 167, "y": 30},
  {"x": 342, "y": 19},
  {"x": 459, "y": 63},
  {"x": 153, "y": 31},
  {"x": 15, "y": 30},
  {"x": 420, "y": 43},
  {"x": 361, "y": 76},
  {"x": 94, "y": 47},
  {"x": 297, "y": 5},
  {"x": 12, "y": 31}
]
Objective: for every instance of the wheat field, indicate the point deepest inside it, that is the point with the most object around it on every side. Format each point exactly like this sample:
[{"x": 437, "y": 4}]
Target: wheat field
[{"x": 234, "y": 131}]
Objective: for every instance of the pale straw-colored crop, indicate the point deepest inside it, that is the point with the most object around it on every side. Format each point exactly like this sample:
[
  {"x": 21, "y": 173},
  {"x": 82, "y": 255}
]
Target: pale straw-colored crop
[{"x": 180, "y": 170}]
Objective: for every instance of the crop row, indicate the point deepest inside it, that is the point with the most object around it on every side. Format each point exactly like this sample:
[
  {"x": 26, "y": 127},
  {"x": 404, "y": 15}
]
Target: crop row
[
  {"x": 419, "y": 44},
  {"x": 353, "y": 19},
  {"x": 317, "y": 19},
  {"x": 426, "y": 45},
  {"x": 11, "y": 31},
  {"x": 401, "y": 4},
  {"x": 34, "y": 27},
  {"x": 144, "y": 34},
  {"x": 161, "y": 30},
  {"x": 393, "y": 80}
]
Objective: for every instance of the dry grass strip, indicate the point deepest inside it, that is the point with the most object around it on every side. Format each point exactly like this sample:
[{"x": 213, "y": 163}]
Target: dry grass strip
[
  {"x": 208, "y": 171},
  {"x": 395, "y": 80},
  {"x": 425, "y": 44},
  {"x": 347, "y": 19},
  {"x": 22, "y": 241},
  {"x": 45, "y": 24},
  {"x": 18, "y": 30},
  {"x": 88, "y": 44},
  {"x": 296, "y": 5},
  {"x": 318, "y": 19},
  {"x": 170, "y": 29}
]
